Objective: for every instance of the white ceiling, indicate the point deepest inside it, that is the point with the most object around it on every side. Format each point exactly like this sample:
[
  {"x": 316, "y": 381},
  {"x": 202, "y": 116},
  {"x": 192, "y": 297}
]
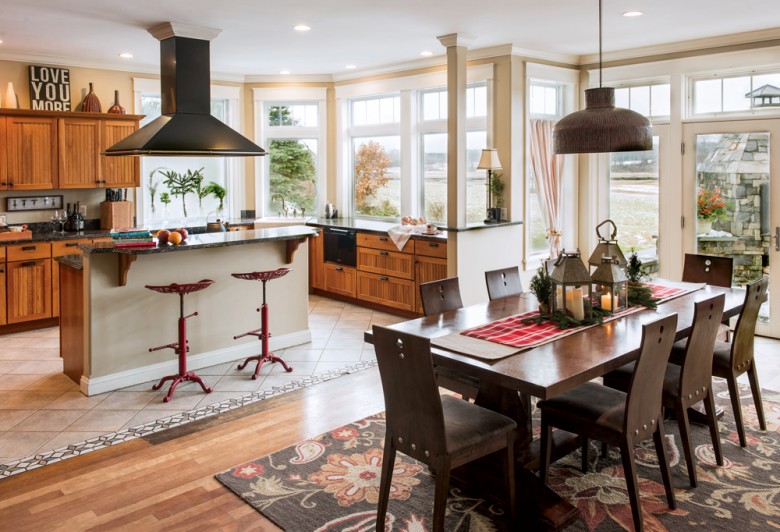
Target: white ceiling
[{"x": 257, "y": 38}]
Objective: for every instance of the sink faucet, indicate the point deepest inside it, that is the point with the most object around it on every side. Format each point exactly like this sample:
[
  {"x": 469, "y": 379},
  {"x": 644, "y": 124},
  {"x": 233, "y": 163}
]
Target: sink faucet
[{"x": 279, "y": 196}]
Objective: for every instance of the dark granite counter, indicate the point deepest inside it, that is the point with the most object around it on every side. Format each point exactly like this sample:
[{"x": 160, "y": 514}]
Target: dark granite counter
[
  {"x": 210, "y": 240},
  {"x": 72, "y": 261},
  {"x": 368, "y": 226}
]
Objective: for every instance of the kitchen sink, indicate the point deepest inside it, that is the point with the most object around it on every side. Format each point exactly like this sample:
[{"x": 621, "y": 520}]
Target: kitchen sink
[{"x": 276, "y": 221}]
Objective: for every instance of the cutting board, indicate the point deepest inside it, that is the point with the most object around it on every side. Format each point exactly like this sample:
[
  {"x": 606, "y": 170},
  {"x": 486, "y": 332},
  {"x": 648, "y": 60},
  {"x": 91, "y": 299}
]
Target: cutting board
[{"x": 15, "y": 235}]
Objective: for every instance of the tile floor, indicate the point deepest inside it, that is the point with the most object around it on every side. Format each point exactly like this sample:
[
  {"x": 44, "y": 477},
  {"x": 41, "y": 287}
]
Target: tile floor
[{"x": 41, "y": 409}]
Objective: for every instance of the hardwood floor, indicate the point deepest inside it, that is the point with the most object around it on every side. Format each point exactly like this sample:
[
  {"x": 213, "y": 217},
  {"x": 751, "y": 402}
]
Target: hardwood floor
[{"x": 166, "y": 481}]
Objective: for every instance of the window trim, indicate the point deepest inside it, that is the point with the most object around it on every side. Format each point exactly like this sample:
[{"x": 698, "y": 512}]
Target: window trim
[{"x": 690, "y": 95}]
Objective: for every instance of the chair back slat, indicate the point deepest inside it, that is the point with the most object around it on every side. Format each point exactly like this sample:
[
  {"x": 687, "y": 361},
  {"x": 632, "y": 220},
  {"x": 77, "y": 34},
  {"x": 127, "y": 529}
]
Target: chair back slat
[
  {"x": 709, "y": 269},
  {"x": 745, "y": 332},
  {"x": 696, "y": 372},
  {"x": 643, "y": 402},
  {"x": 415, "y": 419},
  {"x": 440, "y": 296},
  {"x": 503, "y": 283}
]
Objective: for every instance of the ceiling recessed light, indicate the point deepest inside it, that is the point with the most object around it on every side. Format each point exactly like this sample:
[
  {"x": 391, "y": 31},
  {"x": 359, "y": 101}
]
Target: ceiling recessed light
[
  {"x": 126, "y": 55},
  {"x": 1, "y": 42},
  {"x": 284, "y": 72},
  {"x": 350, "y": 67},
  {"x": 633, "y": 14},
  {"x": 301, "y": 27},
  {"x": 426, "y": 53}
]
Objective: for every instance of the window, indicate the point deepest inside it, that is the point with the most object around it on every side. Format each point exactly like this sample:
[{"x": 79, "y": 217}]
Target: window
[
  {"x": 652, "y": 101},
  {"x": 207, "y": 178},
  {"x": 735, "y": 93},
  {"x": 292, "y": 141},
  {"x": 433, "y": 150}
]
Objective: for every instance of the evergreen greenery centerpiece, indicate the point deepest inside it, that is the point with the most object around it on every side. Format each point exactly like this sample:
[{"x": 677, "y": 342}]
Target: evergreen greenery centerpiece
[{"x": 541, "y": 287}]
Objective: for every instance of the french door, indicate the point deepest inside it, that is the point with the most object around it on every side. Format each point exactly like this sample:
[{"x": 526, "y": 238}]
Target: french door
[{"x": 731, "y": 202}]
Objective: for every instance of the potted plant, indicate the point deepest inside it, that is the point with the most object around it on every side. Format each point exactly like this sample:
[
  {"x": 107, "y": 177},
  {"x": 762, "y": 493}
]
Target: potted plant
[
  {"x": 497, "y": 192},
  {"x": 218, "y": 191},
  {"x": 541, "y": 286},
  {"x": 711, "y": 206}
]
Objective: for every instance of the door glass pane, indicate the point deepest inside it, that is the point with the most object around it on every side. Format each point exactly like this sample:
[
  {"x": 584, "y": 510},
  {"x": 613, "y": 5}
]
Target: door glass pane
[
  {"x": 633, "y": 202},
  {"x": 732, "y": 183}
]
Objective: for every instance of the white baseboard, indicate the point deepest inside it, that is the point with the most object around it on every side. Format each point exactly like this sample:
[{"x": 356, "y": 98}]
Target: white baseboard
[{"x": 122, "y": 379}]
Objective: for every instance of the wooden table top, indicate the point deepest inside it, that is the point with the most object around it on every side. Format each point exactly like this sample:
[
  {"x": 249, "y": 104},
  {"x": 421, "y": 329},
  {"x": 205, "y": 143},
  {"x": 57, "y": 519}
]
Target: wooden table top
[{"x": 553, "y": 368}]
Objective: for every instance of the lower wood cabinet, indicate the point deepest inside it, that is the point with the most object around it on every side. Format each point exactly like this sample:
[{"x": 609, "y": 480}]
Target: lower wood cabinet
[
  {"x": 427, "y": 269},
  {"x": 316, "y": 262},
  {"x": 3, "y": 317},
  {"x": 385, "y": 290},
  {"x": 28, "y": 294},
  {"x": 339, "y": 279}
]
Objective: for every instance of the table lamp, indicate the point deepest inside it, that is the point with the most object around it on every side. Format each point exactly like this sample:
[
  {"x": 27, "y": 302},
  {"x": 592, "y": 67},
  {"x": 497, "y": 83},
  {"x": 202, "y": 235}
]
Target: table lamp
[{"x": 489, "y": 161}]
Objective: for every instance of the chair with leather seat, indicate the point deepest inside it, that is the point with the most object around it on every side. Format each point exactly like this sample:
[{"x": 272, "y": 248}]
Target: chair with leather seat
[
  {"x": 687, "y": 384},
  {"x": 443, "y": 296},
  {"x": 618, "y": 418},
  {"x": 709, "y": 269},
  {"x": 730, "y": 360},
  {"x": 440, "y": 431},
  {"x": 503, "y": 283}
]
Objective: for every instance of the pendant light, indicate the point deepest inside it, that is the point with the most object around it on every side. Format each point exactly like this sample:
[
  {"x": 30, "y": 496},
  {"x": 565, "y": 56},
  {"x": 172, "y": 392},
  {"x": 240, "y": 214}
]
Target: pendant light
[{"x": 601, "y": 127}]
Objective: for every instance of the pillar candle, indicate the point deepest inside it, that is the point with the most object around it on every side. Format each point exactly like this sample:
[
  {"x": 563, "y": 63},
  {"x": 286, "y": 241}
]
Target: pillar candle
[
  {"x": 574, "y": 304},
  {"x": 606, "y": 301}
]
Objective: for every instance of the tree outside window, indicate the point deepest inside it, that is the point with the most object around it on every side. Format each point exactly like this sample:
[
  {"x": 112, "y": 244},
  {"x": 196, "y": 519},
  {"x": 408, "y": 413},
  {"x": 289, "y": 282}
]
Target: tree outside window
[{"x": 374, "y": 195}]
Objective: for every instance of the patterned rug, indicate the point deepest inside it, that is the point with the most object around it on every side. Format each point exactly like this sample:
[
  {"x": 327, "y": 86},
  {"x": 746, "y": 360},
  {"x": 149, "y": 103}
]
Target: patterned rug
[{"x": 331, "y": 483}]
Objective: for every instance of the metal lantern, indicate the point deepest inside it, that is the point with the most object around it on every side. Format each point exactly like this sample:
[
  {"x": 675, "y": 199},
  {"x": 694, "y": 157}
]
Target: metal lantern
[
  {"x": 607, "y": 247},
  {"x": 610, "y": 286},
  {"x": 571, "y": 285}
]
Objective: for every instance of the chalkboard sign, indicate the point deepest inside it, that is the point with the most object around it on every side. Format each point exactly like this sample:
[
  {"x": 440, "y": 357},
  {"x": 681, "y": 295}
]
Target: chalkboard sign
[{"x": 49, "y": 88}]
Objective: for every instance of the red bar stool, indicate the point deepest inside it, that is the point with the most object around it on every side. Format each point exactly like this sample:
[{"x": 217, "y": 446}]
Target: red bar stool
[
  {"x": 180, "y": 347},
  {"x": 262, "y": 332}
]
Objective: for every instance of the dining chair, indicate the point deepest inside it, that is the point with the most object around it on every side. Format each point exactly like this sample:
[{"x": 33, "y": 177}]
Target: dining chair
[
  {"x": 686, "y": 384},
  {"x": 503, "y": 283},
  {"x": 440, "y": 431},
  {"x": 442, "y": 296},
  {"x": 730, "y": 360},
  {"x": 618, "y": 418},
  {"x": 709, "y": 269}
]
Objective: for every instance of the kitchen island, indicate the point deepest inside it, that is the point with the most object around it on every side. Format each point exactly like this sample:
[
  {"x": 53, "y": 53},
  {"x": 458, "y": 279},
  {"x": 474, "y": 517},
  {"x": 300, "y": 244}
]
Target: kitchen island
[{"x": 109, "y": 319}]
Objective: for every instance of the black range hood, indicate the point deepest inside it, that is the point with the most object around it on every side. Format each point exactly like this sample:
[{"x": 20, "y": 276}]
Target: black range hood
[{"x": 186, "y": 127}]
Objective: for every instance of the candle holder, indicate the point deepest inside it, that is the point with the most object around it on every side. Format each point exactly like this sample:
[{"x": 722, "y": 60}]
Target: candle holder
[
  {"x": 607, "y": 247},
  {"x": 610, "y": 286},
  {"x": 571, "y": 284}
]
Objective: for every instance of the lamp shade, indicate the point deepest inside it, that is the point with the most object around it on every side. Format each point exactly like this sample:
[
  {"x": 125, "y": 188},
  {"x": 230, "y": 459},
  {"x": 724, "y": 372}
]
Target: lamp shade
[
  {"x": 489, "y": 160},
  {"x": 601, "y": 127}
]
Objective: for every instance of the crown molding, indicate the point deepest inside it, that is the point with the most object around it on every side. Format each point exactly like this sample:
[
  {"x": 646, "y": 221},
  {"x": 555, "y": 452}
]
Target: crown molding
[
  {"x": 287, "y": 78},
  {"x": 456, "y": 39},
  {"x": 735, "y": 39},
  {"x": 166, "y": 30},
  {"x": 565, "y": 59}
]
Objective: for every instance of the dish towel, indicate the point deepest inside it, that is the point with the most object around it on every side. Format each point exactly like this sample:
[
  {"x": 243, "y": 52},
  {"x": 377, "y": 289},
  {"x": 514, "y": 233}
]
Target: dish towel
[{"x": 400, "y": 235}]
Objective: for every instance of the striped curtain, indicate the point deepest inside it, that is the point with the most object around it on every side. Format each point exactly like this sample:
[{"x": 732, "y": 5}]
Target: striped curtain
[{"x": 547, "y": 170}]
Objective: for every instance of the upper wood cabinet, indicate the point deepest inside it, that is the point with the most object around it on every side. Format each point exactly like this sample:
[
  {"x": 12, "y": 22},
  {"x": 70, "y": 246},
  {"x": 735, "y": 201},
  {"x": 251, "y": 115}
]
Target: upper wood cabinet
[
  {"x": 30, "y": 152},
  {"x": 46, "y": 150}
]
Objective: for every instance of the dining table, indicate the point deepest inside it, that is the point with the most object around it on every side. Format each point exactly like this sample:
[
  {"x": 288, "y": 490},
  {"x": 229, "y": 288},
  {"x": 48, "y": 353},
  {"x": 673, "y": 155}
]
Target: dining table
[{"x": 508, "y": 381}]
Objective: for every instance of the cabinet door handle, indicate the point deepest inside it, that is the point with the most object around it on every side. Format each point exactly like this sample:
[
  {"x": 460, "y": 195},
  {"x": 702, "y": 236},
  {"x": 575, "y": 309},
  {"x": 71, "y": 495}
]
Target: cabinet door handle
[
  {"x": 10, "y": 183},
  {"x": 2, "y": 270},
  {"x": 30, "y": 263},
  {"x": 433, "y": 244},
  {"x": 339, "y": 269},
  {"x": 71, "y": 244},
  {"x": 383, "y": 253},
  {"x": 383, "y": 239},
  {"x": 28, "y": 248},
  {"x": 383, "y": 278}
]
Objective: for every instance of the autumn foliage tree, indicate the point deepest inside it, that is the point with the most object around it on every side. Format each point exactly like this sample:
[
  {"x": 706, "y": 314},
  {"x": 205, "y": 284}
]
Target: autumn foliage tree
[{"x": 371, "y": 164}]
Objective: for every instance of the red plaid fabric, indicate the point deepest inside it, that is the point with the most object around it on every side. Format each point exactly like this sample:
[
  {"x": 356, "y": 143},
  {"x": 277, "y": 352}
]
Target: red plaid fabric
[{"x": 513, "y": 332}]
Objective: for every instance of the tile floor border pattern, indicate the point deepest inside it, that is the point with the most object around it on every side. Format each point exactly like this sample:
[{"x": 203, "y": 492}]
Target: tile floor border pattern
[{"x": 107, "y": 440}]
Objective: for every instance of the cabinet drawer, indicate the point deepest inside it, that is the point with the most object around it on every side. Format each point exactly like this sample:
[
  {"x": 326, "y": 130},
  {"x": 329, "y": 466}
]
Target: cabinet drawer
[
  {"x": 368, "y": 240},
  {"x": 385, "y": 262},
  {"x": 29, "y": 251},
  {"x": 2, "y": 252},
  {"x": 68, "y": 247},
  {"x": 430, "y": 248},
  {"x": 340, "y": 279},
  {"x": 385, "y": 290}
]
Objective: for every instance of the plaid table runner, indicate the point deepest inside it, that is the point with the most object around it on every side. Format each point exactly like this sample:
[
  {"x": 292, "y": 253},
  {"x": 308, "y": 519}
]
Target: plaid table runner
[{"x": 513, "y": 332}]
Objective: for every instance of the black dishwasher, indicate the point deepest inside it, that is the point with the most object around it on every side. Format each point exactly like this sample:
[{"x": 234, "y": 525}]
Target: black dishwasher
[{"x": 340, "y": 246}]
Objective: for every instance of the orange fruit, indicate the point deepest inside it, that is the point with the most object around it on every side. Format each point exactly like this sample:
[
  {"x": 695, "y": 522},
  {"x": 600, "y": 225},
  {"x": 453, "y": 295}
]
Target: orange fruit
[{"x": 175, "y": 238}]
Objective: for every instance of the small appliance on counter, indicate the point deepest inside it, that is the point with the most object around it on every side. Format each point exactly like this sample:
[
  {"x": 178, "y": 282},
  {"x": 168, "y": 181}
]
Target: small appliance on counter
[{"x": 331, "y": 211}]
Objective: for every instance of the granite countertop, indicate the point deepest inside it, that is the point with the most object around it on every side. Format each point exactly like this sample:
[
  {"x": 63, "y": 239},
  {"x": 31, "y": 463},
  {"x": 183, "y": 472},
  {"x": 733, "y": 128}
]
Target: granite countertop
[
  {"x": 209, "y": 240},
  {"x": 382, "y": 227}
]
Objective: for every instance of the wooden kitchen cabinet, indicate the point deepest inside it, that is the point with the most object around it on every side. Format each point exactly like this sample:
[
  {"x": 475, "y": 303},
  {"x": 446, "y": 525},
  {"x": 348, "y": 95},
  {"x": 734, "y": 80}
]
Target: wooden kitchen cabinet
[
  {"x": 118, "y": 172},
  {"x": 3, "y": 157},
  {"x": 339, "y": 279},
  {"x": 79, "y": 148},
  {"x": 380, "y": 261},
  {"x": 385, "y": 290},
  {"x": 30, "y": 152},
  {"x": 316, "y": 262},
  {"x": 3, "y": 318},
  {"x": 28, "y": 290}
]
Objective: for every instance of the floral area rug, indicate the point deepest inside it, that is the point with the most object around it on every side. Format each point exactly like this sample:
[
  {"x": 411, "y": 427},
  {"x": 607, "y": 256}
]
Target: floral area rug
[{"x": 331, "y": 483}]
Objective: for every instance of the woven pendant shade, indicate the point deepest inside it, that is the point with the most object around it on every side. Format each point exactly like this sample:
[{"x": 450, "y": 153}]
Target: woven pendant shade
[{"x": 601, "y": 127}]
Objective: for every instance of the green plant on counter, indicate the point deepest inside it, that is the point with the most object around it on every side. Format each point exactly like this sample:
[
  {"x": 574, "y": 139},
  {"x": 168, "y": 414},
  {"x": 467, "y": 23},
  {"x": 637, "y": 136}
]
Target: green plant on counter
[
  {"x": 165, "y": 198},
  {"x": 218, "y": 191},
  {"x": 497, "y": 190}
]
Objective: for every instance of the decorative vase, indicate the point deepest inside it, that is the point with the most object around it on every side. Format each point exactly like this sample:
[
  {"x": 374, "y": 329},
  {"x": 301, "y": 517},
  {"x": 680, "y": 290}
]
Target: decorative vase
[
  {"x": 117, "y": 109},
  {"x": 544, "y": 309},
  {"x": 703, "y": 227},
  {"x": 91, "y": 104},
  {"x": 9, "y": 100}
]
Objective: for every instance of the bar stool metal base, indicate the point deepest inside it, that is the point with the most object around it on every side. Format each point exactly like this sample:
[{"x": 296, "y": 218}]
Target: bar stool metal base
[
  {"x": 262, "y": 333},
  {"x": 180, "y": 348}
]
